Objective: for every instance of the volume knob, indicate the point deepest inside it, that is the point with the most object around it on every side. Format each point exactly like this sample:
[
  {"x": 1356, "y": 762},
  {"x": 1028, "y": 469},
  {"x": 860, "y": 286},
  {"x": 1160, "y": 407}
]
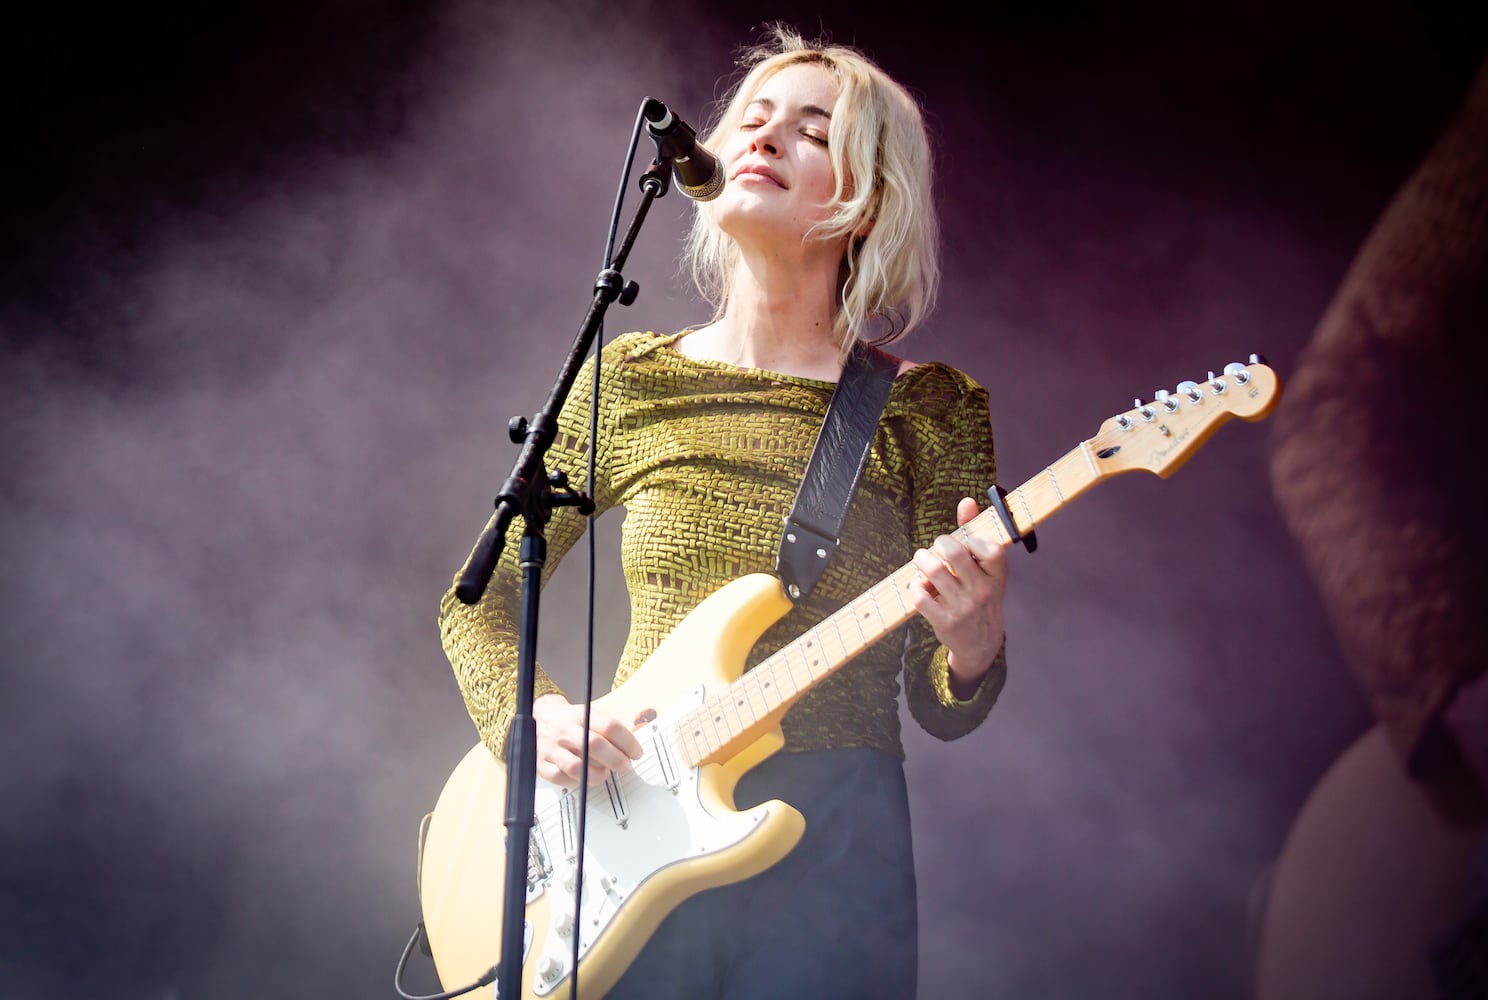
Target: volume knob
[
  {"x": 563, "y": 923},
  {"x": 549, "y": 969}
]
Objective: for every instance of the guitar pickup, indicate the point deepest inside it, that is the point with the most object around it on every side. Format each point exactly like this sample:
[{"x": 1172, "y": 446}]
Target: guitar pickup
[
  {"x": 617, "y": 800},
  {"x": 665, "y": 762}
]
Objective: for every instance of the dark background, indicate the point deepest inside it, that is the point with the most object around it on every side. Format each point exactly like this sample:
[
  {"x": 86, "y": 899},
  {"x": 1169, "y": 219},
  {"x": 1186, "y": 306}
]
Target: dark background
[{"x": 273, "y": 276}]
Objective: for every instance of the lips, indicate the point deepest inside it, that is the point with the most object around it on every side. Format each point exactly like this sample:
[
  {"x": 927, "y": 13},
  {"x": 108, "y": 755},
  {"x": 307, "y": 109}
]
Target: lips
[{"x": 758, "y": 170}]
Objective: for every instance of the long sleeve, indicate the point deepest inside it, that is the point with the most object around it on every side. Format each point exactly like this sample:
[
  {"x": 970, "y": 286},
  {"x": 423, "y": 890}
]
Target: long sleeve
[
  {"x": 705, "y": 458},
  {"x": 951, "y": 460},
  {"x": 481, "y": 640}
]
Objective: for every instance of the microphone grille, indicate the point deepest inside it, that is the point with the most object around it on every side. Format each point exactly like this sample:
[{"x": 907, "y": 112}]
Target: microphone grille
[{"x": 706, "y": 191}]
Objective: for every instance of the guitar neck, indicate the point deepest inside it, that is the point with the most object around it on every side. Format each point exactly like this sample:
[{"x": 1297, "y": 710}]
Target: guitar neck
[
  {"x": 1156, "y": 438},
  {"x": 738, "y": 715}
]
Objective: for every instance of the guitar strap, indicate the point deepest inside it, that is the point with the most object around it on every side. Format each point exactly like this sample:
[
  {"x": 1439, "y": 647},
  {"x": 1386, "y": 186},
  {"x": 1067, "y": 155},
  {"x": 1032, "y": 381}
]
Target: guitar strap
[{"x": 814, "y": 525}]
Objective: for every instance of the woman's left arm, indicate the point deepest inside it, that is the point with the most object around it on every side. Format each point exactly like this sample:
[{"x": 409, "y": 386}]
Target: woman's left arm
[
  {"x": 960, "y": 592},
  {"x": 954, "y": 661}
]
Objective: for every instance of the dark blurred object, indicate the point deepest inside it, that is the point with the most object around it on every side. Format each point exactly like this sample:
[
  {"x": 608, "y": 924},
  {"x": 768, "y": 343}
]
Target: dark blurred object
[{"x": 1377, "y": 468}]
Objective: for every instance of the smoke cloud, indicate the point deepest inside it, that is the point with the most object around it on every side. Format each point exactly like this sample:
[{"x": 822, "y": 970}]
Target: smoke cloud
[{"x": 256, "y": 387}]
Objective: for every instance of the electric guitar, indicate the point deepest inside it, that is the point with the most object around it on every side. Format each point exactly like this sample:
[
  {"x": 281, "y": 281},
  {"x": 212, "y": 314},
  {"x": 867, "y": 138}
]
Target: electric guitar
[{"x": 667, "y": 828}]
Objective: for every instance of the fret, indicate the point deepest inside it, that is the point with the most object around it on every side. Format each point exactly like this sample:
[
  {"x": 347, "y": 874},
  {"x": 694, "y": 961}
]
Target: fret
[
  {"x": 811, "y": 649},
  {"x": 870, "y": 612},
  {"x": 1076, "y": 475},
  {"x": 718, "y": 726},
  {"x": 789, "y": 669},
  {"x": 845, "y": 639},
  {"x": 897, "y": 583},
  {"x": 730, "y": 701},
  {"x": 1022, "y": 496},
  {"x": 989, "y": 528},
  {"x": 1054, "y": 482},
  {"x": 682, "y": 737},
  {"x": 771, "y": 692},
  {"x": 793, "y": 662},
  {"x": 1084, "y": 450},
  {"x": 703, "y": 736},
  {"x": 827, "y": 638},
  {"x": 739, "y": 696},
  {"x": 851, "y": 611},
  {"x": 755, "y": 688},
  {"x": 1073, "y": 474},
  {"x": 893, "y": 619}
]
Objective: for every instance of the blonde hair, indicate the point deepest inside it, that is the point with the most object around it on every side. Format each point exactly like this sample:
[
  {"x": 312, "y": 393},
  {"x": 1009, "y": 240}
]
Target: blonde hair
[{"x": 880, "y": 155}]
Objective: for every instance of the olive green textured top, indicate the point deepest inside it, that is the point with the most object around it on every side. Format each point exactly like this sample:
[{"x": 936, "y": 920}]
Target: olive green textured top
[{"x": 706, "y": 458}]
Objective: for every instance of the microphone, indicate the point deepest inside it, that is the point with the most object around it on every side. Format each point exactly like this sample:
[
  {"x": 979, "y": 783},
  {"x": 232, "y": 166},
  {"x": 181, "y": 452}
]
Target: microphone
[{"x": 698, "y": 172}]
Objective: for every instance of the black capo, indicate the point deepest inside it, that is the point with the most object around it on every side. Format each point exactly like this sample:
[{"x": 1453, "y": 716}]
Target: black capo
[{"x": 1030, "y": 540}]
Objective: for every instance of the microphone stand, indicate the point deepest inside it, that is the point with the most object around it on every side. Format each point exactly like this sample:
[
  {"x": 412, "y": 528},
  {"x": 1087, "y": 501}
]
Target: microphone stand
[{"x": 533, "y": 493}]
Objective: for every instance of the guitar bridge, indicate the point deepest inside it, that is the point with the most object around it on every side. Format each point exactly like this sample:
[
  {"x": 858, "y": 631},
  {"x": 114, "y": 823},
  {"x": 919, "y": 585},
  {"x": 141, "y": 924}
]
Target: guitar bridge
[{"x": 539, "y": 868}]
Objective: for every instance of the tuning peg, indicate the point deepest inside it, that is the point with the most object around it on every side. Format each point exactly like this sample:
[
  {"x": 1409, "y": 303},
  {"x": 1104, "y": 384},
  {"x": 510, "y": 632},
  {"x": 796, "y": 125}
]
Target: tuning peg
[
  {"x": 1256, "y": 359},
  {"x": 1216, "y": 385},
  {"x": 1191, "y": 391},
  {"x": 1238, "y": 372},
  {"x": 1166, "y": 399}
]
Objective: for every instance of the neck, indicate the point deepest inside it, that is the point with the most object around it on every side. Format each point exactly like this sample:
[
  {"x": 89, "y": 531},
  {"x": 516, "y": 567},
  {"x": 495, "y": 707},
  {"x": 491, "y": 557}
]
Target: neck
[{"x": 780, "y": 314}]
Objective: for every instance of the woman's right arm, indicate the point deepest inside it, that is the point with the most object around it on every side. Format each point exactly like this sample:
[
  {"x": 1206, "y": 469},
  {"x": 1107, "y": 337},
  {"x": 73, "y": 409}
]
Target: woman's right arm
[{"x": 481, "y": 639}]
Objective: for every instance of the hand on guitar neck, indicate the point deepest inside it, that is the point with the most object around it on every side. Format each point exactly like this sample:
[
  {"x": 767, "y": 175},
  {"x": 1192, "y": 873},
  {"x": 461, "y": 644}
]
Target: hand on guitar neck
[{"x": 960, "y": 594}]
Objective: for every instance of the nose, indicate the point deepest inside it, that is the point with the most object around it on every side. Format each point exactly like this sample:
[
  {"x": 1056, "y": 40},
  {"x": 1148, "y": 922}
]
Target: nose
[{"x": 762, "y": 139}]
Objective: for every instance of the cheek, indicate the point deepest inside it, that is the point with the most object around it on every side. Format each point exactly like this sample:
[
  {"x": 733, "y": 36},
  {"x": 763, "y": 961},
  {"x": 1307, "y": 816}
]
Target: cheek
[
  {"x": 733, "y": 147},
  {"x": 823, "y": 184}
]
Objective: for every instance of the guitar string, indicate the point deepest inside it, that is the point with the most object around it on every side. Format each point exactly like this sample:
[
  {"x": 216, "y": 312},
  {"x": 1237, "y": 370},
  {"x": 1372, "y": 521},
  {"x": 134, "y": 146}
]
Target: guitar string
[
  {"x": 771, "y": 668},
  {"x": 1043, "y": 493},
  {"x": 779, "y": 666},
  {"x": 766, "y": 672},
  {"x": 738, "y": 694}
]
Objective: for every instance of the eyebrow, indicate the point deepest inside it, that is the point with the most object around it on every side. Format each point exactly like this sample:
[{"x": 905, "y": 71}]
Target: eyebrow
[{"x": 810, "y": 109}]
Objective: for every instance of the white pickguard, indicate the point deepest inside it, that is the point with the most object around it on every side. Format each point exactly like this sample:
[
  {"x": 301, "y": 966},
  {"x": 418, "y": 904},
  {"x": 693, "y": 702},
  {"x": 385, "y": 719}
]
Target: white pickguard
[{"x": 639, "y": 823}]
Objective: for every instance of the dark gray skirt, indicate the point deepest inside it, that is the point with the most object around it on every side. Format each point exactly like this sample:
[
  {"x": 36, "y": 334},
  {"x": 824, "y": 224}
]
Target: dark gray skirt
[{"x": 835, "y": 918}]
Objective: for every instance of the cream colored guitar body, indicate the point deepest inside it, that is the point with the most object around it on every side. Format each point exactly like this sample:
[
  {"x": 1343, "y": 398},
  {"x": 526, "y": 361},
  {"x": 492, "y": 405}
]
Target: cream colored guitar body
[
  {"x": 656, "y": 835},
  {"x": 667, "y": 829}
]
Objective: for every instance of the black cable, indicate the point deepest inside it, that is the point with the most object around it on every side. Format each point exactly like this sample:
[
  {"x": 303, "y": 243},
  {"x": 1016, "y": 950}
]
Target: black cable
[
  {"x": 635, "y": 137},
  {"x": 418, "y": 932}
]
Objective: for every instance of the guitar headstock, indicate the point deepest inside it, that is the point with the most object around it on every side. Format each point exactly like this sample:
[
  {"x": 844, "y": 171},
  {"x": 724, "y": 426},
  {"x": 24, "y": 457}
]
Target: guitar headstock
[{"x": 1161, "y": 435}]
